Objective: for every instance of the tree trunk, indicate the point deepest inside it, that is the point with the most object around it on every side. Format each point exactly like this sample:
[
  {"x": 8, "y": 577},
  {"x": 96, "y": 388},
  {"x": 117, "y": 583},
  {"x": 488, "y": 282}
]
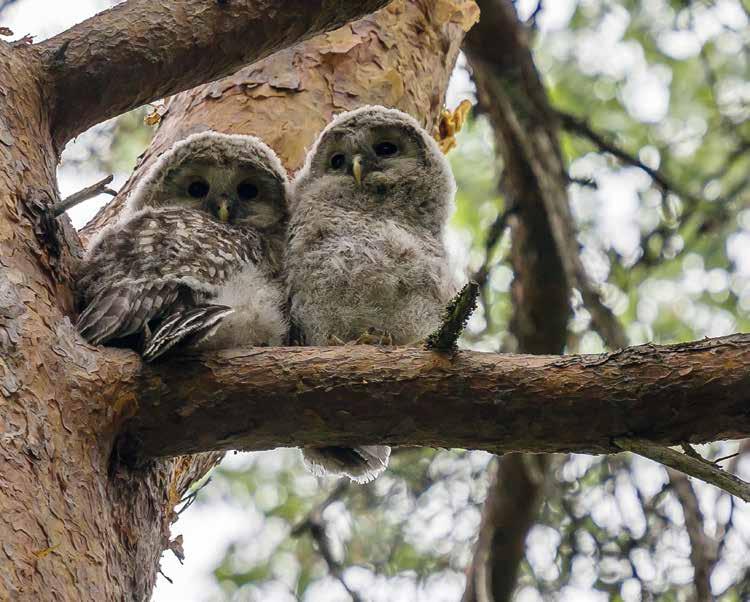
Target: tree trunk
[
  {"x": 510, "y": 91},
  {"x": 74, "y": 525}
]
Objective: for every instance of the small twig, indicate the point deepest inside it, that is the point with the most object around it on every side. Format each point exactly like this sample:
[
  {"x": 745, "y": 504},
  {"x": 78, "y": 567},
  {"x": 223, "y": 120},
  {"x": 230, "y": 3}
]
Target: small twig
[
  {"x": 586, "y": 182},
  {"x": 341, "y": 487},
  {"x": 163, "y": 575},
  {"x": 456, "y": 316},
  {"x": 176, "y": 547},
  {"x": 690, "y": 451},
  {"x": 531, "y": 21},
  {"x": 87, "y": 193},
  {"x": 698, "y": 468},
  {"x": 729, "y": 457},
  {"x": 493, "y": 237}
]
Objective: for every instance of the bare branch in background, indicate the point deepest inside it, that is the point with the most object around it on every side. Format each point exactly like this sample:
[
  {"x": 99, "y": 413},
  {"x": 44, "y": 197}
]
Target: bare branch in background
[
  {"x": 314, "y": 524},
  {"x": 579, "y": 126},
  {"x": 493, "y": 573},
  {"x": 699, "y": 468},
  {"x": 702, "y": 548},
  {"x": 494, "y": 234}
]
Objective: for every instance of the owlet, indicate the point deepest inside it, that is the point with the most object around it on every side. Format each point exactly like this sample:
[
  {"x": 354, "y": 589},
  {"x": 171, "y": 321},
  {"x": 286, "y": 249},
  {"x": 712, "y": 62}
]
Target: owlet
[
  {"x": 196, "y": 256},
  {"x": 365, "y": 254}
]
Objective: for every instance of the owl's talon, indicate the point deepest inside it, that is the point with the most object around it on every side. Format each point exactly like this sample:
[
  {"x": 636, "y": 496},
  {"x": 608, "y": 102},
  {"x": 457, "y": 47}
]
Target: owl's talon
[{"x": 374, "y": 336}]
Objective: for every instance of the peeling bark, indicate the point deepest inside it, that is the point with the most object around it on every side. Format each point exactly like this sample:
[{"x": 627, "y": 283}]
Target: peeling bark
[
  {"x": 244, "y": 399},
  {"x": 399, "y": 57}
]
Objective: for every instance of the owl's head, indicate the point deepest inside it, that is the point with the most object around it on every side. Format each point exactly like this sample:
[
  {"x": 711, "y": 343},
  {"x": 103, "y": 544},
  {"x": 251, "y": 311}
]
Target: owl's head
[
  {"x": 236, "y": 179},
  {"x": 382, "y": 160}
]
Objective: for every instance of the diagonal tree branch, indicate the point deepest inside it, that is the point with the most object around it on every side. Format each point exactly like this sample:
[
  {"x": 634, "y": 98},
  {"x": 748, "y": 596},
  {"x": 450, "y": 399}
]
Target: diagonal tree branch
[
  {"x": 264, "y": 398},
  {"x": 141, "y": 50},
  {"x": 580, "y": 127},
  {"x": 691, "y": 465}
]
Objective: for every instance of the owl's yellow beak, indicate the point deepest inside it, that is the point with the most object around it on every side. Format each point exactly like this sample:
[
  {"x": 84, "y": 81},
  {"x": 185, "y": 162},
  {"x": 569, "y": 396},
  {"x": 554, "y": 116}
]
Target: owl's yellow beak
[
  {"x": 357, "y": 169},
  {"x": 222, "y": 211}
]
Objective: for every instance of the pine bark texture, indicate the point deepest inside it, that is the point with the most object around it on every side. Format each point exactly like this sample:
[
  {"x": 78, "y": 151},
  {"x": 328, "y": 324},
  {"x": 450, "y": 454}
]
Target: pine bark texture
[
  {"x": 263, "y": 398},
  {"x": 73, "y": 524}
]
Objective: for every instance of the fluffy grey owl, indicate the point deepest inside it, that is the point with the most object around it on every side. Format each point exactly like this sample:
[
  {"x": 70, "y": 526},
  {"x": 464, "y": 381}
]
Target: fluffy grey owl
[
  {"x": 196, "y": 256},
  {"x": 365, "y": 252}
]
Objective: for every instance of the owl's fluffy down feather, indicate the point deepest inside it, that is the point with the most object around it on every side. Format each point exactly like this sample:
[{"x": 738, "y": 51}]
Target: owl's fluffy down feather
[{"x": 369, "y": 255}]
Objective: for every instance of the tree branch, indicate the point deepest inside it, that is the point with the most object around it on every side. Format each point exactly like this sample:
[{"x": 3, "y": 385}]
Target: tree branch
[
  {"x": 695, "y": 467},
  {"x": 100, "y": 187},
  {"x": 141, "y": 50},
  {"x": 262, "y": 398},
  {"x": 702, "y": 547}
]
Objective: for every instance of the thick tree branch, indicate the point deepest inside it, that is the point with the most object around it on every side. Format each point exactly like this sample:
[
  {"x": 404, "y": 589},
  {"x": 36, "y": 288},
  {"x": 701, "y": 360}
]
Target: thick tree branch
[
  {"x": 142, "y": 50},
  {"x": 264, "y": 398}
]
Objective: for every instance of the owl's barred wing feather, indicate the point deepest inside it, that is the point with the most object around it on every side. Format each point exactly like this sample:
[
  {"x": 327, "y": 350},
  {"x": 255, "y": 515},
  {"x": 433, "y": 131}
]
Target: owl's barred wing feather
[
  {"x": 138, "y": 271},
  {"x": 124, "y": 309},
  {"x": 194, "y": 324},
  {"x": 361, "y": 464}
]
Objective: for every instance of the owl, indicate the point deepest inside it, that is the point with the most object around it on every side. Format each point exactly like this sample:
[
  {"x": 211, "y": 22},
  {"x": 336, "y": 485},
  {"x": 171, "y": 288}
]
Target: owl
[
  {"x": 366, "y": 260},
  {"x": 196, "y": 257}
]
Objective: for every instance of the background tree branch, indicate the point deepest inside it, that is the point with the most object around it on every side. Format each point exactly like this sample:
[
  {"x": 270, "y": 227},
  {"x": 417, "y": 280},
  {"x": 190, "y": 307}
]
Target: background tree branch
[
  {"x": 141, "y": 50},
  {"x": 510, "y": 90}
]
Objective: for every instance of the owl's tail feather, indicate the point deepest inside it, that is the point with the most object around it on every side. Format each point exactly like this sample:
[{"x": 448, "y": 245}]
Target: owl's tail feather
[
  {"x": 192, "y": 325},
  {"x": 361, "y": 464}
]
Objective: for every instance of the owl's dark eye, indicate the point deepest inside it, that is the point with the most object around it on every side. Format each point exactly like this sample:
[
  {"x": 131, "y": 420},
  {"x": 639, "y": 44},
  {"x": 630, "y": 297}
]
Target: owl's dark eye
[
  {"x": 247, "y": 190},
  {"x": 198, "y": 189},
  {"x": 338, "y": 160},
  {"x": 385, "y": 149}
]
